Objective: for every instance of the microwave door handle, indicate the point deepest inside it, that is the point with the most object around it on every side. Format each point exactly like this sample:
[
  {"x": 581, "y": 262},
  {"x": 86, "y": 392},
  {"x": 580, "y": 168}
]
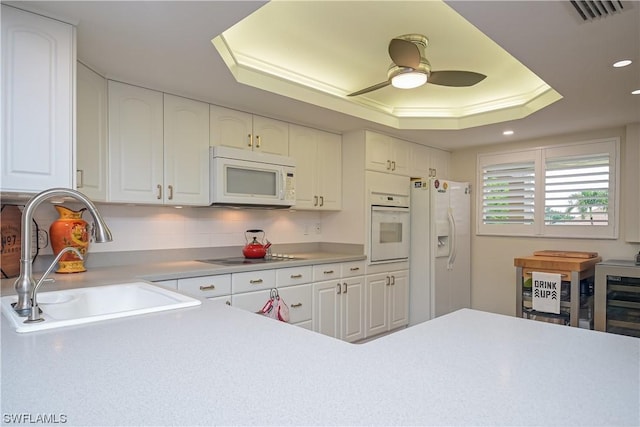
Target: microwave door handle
[{"x": 283, "y": 184}]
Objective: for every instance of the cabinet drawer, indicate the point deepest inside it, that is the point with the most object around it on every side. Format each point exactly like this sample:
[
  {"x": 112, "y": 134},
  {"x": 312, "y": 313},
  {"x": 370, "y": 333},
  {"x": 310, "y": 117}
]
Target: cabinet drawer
[
  {"x": 206, "y": 286},
  {"x": 223, "y": 300},
  {"x": 308, "y": 324},
  {"x": 326, "y": 272},
  {"x": 294, "y": 276},
  {"x": 169, "y": 284},
  {"x": 354, "y": 268},
  {"x": 298, "y": 298},
  {"x": 250, "y": 301},
  {"x": 253, "y": 281}
]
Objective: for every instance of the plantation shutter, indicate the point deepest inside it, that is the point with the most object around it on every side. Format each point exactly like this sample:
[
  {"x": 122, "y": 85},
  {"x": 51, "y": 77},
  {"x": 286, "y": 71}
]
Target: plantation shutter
[
  {"x": 508, "y": 191},
  {"x": 577, "y": 190}
]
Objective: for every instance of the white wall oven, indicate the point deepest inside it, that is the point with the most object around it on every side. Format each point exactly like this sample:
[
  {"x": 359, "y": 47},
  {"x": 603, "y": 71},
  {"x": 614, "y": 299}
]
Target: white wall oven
[
  {"x": 390, "y": 220},
  {"x": 247, "y": 178}
]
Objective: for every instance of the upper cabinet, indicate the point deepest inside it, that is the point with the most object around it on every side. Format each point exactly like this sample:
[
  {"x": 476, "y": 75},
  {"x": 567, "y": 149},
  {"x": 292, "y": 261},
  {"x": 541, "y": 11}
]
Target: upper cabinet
[
  {"x": 249, "y": 132},
  {"x": 427, "y": 162},
  {"x": 38, "y": 72},
  {"x": 158, "y": 147},
  {"x": 318, "y": 156},
  {"x": 91, "y": 134},
  {"x": 387, "y": 154}
]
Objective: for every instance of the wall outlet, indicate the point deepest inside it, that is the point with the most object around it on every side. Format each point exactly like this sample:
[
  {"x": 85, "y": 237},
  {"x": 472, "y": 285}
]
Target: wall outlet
[{"x": 318, "y": 228}]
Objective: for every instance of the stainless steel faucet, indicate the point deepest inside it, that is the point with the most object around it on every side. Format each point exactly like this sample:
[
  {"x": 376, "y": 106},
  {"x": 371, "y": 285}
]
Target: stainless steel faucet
[
  {"x": 25, "y": 283},
  {"x": 34, "y": 314}
]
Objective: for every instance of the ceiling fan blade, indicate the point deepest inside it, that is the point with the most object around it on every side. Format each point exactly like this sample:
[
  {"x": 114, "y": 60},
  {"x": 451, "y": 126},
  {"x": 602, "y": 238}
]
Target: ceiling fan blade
[
  {"x": 371, "y": 88},
  {"x": 455, "y": 78},
  {"x": 404, "y": 53}
]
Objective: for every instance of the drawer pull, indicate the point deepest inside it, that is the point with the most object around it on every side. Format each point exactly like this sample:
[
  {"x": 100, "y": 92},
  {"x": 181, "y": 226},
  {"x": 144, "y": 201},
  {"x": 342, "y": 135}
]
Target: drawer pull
[
  {"x": 255, "y": 281},
  {"x": 296, "y": 276},
  {"x": 207, "y": 287},
  {"x": 328, "y": 272},
  {"x": 354, "y": 268},
  {"x": 299, "y": 304}
]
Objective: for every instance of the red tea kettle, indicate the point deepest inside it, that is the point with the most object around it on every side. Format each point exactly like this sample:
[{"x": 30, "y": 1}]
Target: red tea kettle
[{"x": 254, "y": 248}]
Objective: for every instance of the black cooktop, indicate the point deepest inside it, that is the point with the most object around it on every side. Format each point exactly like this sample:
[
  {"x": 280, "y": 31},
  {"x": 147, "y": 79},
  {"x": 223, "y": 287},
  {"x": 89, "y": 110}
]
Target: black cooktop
[{"x": 246, "y": 261}]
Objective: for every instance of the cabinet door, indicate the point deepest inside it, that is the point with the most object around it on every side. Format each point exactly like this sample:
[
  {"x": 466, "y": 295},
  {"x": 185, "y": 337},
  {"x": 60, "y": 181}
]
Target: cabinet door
[
  {"x": 377, "y": 308},
  {"x": 250, "y": 301},
  {"x": 91, "y": 133},
  {"x": 400, "y": 157},
  {"x": 398, "y": 299},
  {"x": 298, "y": 299},
  {"x": 352, "y": 309},
  {"x": 186, "y": 151},
  {"x": 378, "y": 152},
  {"x": 270, "y": 136},
  {"x": 38, "y": 67},
  {"x": 230, "y": 128},
  {"x": 135, "y": 144},
  {"x": 420, "y": 162},
  {"x": 326, "y": 307},
  {"x": 440, "y": 163},
  {"x": 303, "y": 150},
  {"x": 329, "y": 171}
]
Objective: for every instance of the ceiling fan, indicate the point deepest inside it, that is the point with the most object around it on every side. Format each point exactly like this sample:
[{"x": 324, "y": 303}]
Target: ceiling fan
[{"x": 411, "y": 69}]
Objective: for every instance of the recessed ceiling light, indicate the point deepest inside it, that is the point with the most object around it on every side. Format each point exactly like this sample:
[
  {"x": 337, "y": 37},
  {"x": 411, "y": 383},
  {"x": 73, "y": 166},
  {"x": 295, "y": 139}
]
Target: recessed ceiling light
[
  {"x": 636, "y": 92},
  {"x": 507, "y": 132},
  {"x": 622, "y": 63}
]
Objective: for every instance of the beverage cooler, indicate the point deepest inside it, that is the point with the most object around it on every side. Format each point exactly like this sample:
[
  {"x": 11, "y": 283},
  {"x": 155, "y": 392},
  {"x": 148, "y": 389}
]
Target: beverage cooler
[{"x": 617, "y": 303}]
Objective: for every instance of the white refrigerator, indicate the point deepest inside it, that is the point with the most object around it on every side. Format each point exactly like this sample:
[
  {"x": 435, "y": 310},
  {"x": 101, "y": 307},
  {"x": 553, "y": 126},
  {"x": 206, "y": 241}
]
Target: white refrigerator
[{"x": 440, "y": 258}]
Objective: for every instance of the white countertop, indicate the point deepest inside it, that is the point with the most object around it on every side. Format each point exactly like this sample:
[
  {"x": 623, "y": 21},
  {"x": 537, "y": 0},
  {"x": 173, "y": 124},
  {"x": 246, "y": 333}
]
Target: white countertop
[{"x": 218, "y": 365}]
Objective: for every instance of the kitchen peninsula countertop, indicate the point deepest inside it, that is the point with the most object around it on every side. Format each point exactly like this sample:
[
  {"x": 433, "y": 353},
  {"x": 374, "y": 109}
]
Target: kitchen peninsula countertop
[
  {"x": 157, "y": 271},
  {"x": 218, "y": 365}
]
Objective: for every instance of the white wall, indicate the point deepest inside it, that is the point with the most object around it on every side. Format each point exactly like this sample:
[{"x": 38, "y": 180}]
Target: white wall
[
  {"x": 149, "y": 227},
  {"x": 492, "y": 270}
]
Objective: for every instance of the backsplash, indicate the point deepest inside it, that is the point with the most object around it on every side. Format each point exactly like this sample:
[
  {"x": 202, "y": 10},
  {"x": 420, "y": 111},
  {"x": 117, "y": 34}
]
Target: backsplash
[{"x": 164, "y": 227}]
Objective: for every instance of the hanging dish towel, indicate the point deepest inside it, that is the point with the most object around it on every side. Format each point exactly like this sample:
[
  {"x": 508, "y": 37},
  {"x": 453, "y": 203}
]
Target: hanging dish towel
[
  {"x": 545, "y": 290},
  {"x": 275, "y": 307}
]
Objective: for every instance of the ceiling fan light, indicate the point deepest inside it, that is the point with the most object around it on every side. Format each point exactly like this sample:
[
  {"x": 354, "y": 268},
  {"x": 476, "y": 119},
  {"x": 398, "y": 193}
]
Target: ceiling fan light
[{"x": 409, "y": 80}]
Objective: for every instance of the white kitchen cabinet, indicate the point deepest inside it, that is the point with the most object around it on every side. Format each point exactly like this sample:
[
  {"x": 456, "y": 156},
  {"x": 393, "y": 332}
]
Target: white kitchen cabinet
[
  {"x": 91, "y": 134},
  {"x": 38, "y": 86},
  {"x": 250, "y": 281},
  {"x": 186, "y": 151},
  {"x": 318, "y": 156},
  {"x": 294, "y": 276},
  {"x": 158, "y": 147},
  {"x": 136, "y": 145},
  {"x": 428, "y": 162},
  {"x": 206, "y": 286},
  {"x": 338, "y": 308},
  {"x": 387, "y": 302},
  {"x": 246, "y": 131},
  {"x": 297, "y": 298},
  {"x": 169, "y": 284},
  {"x": 387, "y": 154},
  {"x": 440, "y": 160}
]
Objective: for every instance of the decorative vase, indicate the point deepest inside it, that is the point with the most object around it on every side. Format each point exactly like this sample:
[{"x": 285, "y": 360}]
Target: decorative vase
[{"x": 69, "y": 230}]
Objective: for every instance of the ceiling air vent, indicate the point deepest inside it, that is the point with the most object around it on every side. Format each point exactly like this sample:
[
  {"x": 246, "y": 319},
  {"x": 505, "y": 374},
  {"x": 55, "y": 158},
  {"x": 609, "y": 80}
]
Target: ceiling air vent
[{"x": 590, "y": 10}]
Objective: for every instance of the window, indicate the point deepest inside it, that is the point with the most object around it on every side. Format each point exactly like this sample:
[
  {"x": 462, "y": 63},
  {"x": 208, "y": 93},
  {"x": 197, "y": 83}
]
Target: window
[{"x": 559, "y": 191}]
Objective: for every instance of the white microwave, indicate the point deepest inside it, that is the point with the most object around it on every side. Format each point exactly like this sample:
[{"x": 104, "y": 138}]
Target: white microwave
[{"x": 248, "y": 178}]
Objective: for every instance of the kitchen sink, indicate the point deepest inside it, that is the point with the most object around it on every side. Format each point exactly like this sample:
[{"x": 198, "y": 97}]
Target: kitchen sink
[{"x": 94, "y": 304}]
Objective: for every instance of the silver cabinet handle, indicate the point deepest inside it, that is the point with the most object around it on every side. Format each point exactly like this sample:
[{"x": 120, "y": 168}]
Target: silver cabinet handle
[
  {"x": 354, "y": 268},
  {"x": 339, "y": 289},
  {"x": 255, "y": 281},
  {"x": 388, "y": 282},
  {"x": 321, "y": 200},
  {"x": 228, "y": 302},
  {"x": 393, "y": 165},
  {"x": 159, "y": 191},
  {"x": 296, "y": 305},
  {"x": 171, "y": 192},
  {"x": 207, "y": 287},
  {"x": 79, "y": 178},
  {"x": 393, "y": 280},
  {"x": 250, "y": 140},
  {"x": 315, "y": 200},
  {"x": 328, "y": 272},
  {"x": 345, "y": 288},
  {"x": 296, "y": 276},
  {"x": 388, "y": 164},
  {"x": 257, "y": 141}
]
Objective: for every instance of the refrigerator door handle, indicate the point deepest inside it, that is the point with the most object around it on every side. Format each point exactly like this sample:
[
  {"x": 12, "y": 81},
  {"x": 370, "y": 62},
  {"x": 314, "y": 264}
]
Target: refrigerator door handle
[{"x": 452, "y": 240}]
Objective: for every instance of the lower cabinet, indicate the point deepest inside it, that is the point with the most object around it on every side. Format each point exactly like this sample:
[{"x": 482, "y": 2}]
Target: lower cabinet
[
  {"x": 387, "y": 302},
  {"x": 297, "y": 298},
  {"x": 338, "y": 308}
]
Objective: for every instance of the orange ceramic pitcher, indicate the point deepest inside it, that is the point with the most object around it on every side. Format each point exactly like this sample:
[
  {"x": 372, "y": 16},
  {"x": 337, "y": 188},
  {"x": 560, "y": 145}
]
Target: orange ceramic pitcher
[{"x": 69, "y": 230}]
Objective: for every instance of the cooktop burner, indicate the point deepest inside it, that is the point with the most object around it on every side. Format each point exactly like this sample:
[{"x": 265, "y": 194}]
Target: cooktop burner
[{"x": 243, "y": 260}]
